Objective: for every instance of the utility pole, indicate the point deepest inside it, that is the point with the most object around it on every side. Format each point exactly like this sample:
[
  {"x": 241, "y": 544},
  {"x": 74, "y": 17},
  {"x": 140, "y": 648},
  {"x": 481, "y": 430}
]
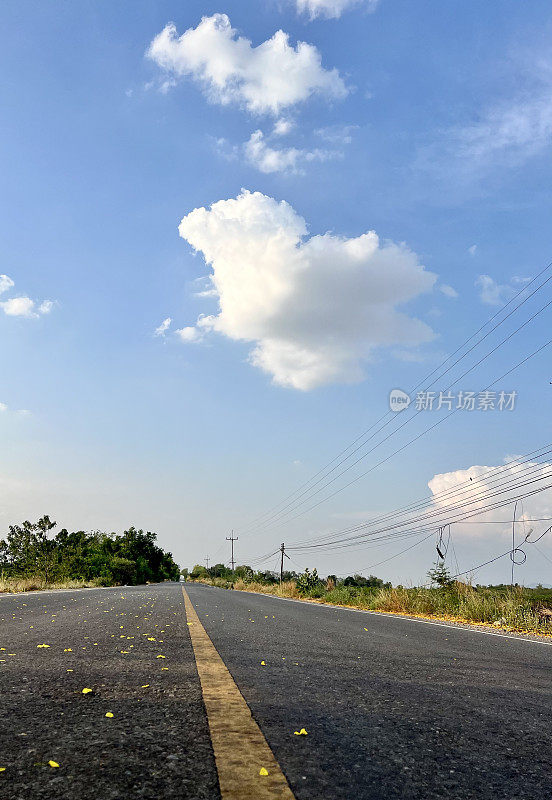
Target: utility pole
[
  {"x": 232, "y": 539},
  {"x": 283, "y": 552},
  {"x": 207, "y": 562}
]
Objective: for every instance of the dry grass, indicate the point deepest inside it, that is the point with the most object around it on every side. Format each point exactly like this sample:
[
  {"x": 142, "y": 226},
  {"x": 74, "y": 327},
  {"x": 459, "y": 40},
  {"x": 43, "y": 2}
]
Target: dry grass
[
  {"x": 14, "y": 585},
  {"x": 509, "y": 610}
]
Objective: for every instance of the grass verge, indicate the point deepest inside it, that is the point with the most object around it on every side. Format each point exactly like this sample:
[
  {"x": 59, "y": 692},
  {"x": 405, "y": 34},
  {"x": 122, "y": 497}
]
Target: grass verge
[
  {"x": 15, "y": 585},
  {"x": 518, "y": 609}
]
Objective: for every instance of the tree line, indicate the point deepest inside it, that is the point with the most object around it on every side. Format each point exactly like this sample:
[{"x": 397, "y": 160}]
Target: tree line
[
  {"x": 306, "y": 580},
  {"x": 133, "y": 557}
]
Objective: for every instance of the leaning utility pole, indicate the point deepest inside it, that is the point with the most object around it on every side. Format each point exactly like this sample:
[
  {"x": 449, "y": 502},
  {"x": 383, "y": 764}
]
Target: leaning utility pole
[
  {"x": 283, "y": 552},
  {"x": 232, "y": 539}
]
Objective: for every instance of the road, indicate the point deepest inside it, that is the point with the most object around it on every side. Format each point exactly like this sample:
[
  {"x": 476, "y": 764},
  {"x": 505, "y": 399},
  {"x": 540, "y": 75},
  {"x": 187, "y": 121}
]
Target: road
[{"x": 393, "y": 708}]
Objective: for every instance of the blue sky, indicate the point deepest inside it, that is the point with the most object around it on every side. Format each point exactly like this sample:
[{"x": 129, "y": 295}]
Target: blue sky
[{"x": 428, "y": 123}]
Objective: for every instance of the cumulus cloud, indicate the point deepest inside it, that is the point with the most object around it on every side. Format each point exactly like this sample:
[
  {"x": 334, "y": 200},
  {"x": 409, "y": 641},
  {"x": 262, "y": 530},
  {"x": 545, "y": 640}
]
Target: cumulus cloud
[
  {"x": 480, "y": 481},
  {"x": 331, "y": 9},
  {"x": 284, "y": 159},
  {"x": 265, "y": 79},
  {"x": 163, "y": 328},
  {"x": 492, "y": 293},
  {"x": 190, "y": 333},
  {"x": 21, "y": 306},
  {"x": 315, "y": 308},
  {"x": 282, "y": 127}
]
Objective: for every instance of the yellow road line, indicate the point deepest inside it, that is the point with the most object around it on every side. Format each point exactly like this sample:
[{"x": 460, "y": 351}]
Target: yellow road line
[{"x": 240, "y": 748}]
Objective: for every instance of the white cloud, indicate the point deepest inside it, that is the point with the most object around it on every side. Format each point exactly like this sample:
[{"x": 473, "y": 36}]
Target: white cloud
[
  {"x": 190, "y": 334},
  {"x": 492, "y": 293},
  {"x": 331, "y": 9},
  {"x": 163, "y": 328},
  {"x": 25, "y": 307},
  {"x": 315, "y": 308},
  {"x": 514, "y": 131},
  {"x": 3, "y": 407},
  {"x": 287, "y": 159},
  {"x": 282, "y": 127},
  {"x": 45, "y": 307},
  {"x": 264, "y": 79},
  {"x": 479, "y": 481},
  {"x": 19, "y": 307},
  {"x": 447, "y": 290},
  {"x": 6, "y": 283},
  {"x": 472, "y": 250}
]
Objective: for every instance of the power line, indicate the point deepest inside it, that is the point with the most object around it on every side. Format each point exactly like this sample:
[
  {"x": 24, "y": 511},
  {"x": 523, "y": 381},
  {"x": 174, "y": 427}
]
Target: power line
[{"x": 524, "y": 289}]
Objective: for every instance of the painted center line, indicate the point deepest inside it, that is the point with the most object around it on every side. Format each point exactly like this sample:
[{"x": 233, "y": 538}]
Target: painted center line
[{"x": 241, "y": 751}]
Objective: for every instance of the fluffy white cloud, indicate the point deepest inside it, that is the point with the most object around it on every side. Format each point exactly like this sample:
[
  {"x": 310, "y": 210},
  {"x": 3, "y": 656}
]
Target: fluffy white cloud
[
  {"x": 264, "y": 79},
  {"x": 163, "y": 328},
  {"x": 190, "y": 333},
  {"x": 492, "y": 293},
  {"x": 478, "y": 481},
  {"x": 286, "y": 159},
  {"x": 19, "y": 307},
  {"x": 331, "y": 9},
  {"x": 282, "y": 127},
  {"x": 316, "y": 308},
  {"x": 6, "y": 283}
]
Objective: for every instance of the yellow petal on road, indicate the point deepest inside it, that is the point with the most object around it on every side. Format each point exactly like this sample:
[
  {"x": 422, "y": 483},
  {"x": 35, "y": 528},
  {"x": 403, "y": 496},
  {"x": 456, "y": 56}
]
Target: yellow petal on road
[
  {"x": 68, "y": 650},
  {"x": 302, "y": 732},
  {"x": 43, "y": 645},
  {"x": 2, "y": 769},
  {"x": 109, "y": 714},
  {"x": 161, "y": 656},
  {"x": 263, "y": 663},
  {"x": 263, "y": 771},
  {"x": 53, "y": 763},
  {"x": 145, "y": 686},
  {"x": 86, "y": 690}
]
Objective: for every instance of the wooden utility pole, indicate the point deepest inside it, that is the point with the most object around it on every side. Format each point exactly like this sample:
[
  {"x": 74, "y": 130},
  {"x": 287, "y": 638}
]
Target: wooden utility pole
[
  {"x": 283, "y": 552},
  {"x": 232, "y": 539}
]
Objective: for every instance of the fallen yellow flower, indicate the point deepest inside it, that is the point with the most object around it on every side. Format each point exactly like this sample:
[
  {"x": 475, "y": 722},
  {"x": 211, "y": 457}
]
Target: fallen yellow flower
[
  {"x": 263, "y": 771},
  {"x": 86, "y": 691},
  {"x": 161, "y": 656},
  {"x": 109, "y": 714},
  {"x": 43, "y": 645},
  {"x": 53, "y": 763},
  {"x": 302, "y": 732}
]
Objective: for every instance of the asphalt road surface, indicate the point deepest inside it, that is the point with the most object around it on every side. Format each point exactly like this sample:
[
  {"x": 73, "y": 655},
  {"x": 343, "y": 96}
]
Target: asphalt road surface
[{"x": 393, "y": 708}]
